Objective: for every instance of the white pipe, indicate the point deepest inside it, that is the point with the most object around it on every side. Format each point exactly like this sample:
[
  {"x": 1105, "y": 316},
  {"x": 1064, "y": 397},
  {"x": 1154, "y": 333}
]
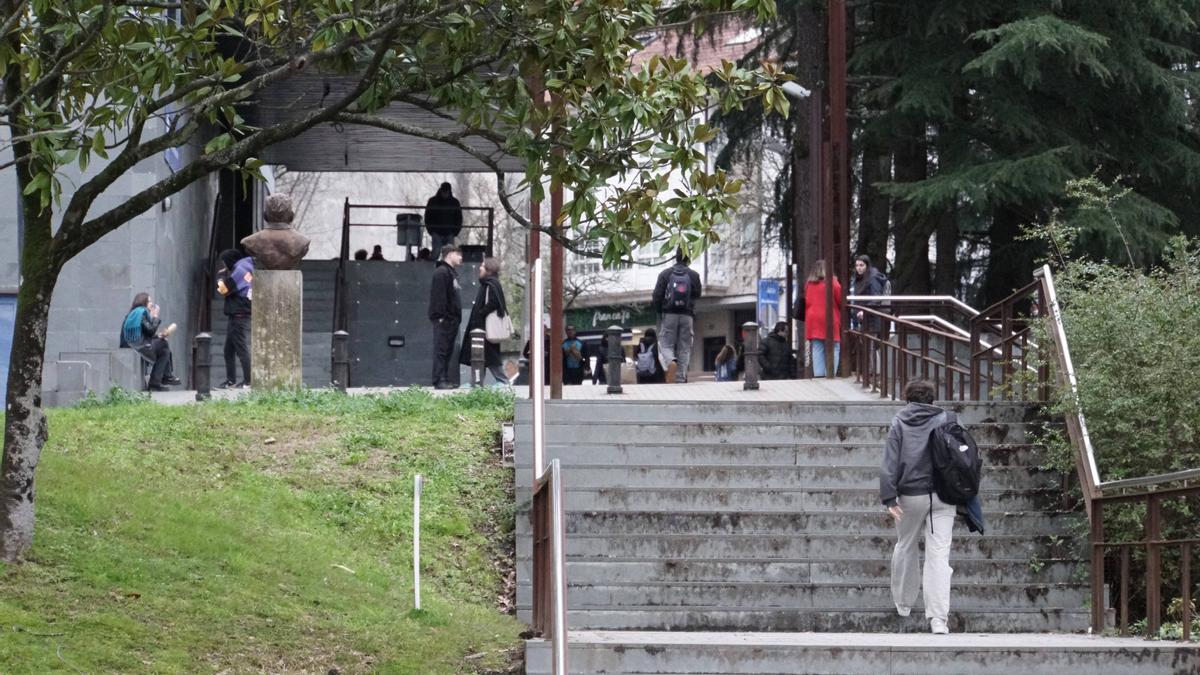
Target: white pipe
[
  {"x": 418, "y": 483},
  {"x": 559, "y": 538},
  {"x": 885, "y": 299},
  {"x": 1060, "y": 335},
  {"x": 537, "y": 366}
]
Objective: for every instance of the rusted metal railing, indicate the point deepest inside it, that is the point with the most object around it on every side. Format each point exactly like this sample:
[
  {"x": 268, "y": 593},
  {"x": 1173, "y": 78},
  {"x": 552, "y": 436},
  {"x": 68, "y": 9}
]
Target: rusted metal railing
[
  {"x": 547, "y": 510},
  {"x": 1098, "y": 494}
]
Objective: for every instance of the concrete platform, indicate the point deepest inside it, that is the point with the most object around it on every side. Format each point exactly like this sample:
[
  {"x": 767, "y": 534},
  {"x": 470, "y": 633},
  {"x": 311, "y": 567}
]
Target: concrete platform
[
  {"x": 857, "y": 653},
  {"x": 842, "y": 389}
]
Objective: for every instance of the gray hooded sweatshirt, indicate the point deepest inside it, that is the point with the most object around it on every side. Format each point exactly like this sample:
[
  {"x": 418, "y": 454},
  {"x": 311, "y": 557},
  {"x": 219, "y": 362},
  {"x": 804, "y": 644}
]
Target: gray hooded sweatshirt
[{"x": 907, "y": 467}]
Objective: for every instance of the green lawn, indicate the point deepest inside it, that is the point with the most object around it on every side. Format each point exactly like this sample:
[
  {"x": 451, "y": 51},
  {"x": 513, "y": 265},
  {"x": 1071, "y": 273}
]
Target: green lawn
[{"x": 272, "y": 534}]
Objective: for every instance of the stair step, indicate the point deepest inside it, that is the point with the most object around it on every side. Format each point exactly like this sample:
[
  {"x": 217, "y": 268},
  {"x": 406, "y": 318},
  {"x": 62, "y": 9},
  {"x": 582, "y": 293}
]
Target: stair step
[
  {"x": 772, "y": 499},
  {"x": 686, "y": 412},
  {"x": 659, "y": 453},
  {"x": 804, "y": 570},
  {"x": 809, "y": 545},
  {"x": 771, "y": 477},
  {"x": 963, "y": 618},
  {"x": 874, "y": 521},
  {"x": 774, "y": 433},
  {"x": 661, "y": 653}
]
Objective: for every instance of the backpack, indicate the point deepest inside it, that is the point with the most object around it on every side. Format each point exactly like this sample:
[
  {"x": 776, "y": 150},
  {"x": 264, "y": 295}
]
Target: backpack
[
  {"x": 957, "y": 466},
  {"x": 645, "y": 361},
  {"x": 679, "y": 290}
]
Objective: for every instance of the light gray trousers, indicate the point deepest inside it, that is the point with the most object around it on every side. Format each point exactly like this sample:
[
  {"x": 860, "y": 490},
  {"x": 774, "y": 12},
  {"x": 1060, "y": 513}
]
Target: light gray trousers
[
  {"x": 934, "y": 580},
  {"x": 675, "y": 342}
]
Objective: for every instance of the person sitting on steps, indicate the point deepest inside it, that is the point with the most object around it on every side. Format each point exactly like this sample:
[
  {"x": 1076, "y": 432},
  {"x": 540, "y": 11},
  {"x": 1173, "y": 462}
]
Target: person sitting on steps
[{"x": 140, "y": 332}]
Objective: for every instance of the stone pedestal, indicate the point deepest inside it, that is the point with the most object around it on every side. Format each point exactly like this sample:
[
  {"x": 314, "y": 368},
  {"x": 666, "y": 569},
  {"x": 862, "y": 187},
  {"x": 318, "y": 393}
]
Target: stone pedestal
[{"x": 276, "y": 329}]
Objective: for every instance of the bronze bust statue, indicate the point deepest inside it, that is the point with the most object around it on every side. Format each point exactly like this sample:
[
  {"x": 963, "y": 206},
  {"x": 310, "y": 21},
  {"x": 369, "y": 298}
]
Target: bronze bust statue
[{"x": 278, "y": 246}]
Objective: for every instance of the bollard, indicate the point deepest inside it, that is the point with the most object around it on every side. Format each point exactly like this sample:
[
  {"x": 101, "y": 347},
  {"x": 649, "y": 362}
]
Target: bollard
[
  {"x": 203, "y": 343},
  {"x": 750, "y": 330},
  {"x": 616, "y": 356},
  {"x": 478, "y": 336},
  {"x": 418, "y": 486},
  {"x": 340, "y": 369}
]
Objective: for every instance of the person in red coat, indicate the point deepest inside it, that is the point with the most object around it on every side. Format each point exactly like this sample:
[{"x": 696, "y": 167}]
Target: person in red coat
[{"x": 815, "y": 306}]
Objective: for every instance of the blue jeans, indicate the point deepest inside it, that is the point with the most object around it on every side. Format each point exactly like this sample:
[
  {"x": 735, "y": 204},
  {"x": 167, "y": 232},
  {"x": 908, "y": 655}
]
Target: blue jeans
[{"x": 818, "y": 357}]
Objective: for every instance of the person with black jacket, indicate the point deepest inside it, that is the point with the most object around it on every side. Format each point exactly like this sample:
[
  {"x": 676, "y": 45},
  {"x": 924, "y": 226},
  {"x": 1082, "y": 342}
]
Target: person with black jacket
[
  {"x": 445, "y": 313},
  {"x": 674, "y": 299},
  {"x": 906, "y": 489},
  {"x": 649, "y": 369},
  {"x": 443, "y": 217},
  {"x": 140, "y": 332},
  {"x": 490, "y": 298},
  {"x": 777, "y": 355},
  {"x": 235, "y": 282},
  {"x": 866, "y": 280}
]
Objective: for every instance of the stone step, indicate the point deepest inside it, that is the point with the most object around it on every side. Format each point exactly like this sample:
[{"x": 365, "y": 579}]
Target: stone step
[
  {"x": 661, "y": 653},
  {"x": 806, "y": 570},
  {"x": 732, "y": 547},
  {"x": 776, "y": 477},
  {"x": 828, "y": 619},
  {"x": 771, "y": 500},
  {"x": 683, "y": 412},
  {"x": 799, "y": 597},
  {"x": 752, "y": 522},
  {"x": 773, "y": 433},
  {"x": 656, "y": 453}
]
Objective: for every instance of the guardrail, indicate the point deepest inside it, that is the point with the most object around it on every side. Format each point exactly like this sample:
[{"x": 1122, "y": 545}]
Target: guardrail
[
  {"x": 547, "y": 510},
  {"x": 1097, "y": 494}
]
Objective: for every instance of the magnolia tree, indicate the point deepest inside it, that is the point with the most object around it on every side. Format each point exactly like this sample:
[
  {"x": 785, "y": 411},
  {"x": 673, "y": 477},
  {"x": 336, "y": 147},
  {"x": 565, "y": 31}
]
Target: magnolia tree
[{"x": 111, "y": 83}]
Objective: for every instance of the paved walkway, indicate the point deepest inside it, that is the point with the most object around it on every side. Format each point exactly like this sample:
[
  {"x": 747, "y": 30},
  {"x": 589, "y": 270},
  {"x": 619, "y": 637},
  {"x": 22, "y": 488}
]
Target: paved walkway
[{"x": 774, "y": 390}]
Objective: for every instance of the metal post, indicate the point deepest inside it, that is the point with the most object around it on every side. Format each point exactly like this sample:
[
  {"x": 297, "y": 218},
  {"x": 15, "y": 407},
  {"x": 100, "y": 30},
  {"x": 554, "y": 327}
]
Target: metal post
[
  {"x": 1124, "y": 590},
  {"x": 616, "y": 357},
  {"x": 203, "y": 348},
  {"x": 478, "y": 337},
  {"x": 340, "y": 371},
  {"x": 1153, "y": 564},
  {"x": 1097, "y": 568},
  {"x": 750, "y": 330},
  {"x": 418, "y": 484},
  {"x": 1185, "y": 573}
]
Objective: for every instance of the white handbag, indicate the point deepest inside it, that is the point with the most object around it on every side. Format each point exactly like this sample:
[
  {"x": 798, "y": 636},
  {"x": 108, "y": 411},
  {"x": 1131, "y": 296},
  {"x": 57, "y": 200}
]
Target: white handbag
[{"x": 498, "y": 328}]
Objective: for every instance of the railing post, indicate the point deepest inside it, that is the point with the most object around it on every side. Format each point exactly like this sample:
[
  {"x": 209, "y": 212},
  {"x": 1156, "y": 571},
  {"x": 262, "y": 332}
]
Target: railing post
[
  {"x": 881, "y": 348},
  {"x": 203, "y": 345},
  {"x": 948, "y": 371},
  {"x": 974, "y": 356},
  {"x": 478, "y": 336},
  {"x": 1097, "y": 542},
  {"x": 616, "y": 357},
  {"x": 1185, "y": 574},
  {"x": 750, "y": 330},
  {"x": 1153, "y": 565},
  {"x": 1124, "y": 590},
  {"x": 340, "y": 356},
  {"x": 558, "y": 537},
  {"x": 418, "y": 484}
]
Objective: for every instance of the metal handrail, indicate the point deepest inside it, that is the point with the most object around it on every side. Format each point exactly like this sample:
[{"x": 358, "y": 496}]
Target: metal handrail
[
  {"x": 948, "y": 300},
  {"x": 1077, "y": 425},
  {"x": 548, "y": 597}
]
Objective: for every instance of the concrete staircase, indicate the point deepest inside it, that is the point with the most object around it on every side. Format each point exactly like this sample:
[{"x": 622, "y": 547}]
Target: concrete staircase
[
  {"x": 318, "y": 326},
  {"x": 763, "y": 517}
]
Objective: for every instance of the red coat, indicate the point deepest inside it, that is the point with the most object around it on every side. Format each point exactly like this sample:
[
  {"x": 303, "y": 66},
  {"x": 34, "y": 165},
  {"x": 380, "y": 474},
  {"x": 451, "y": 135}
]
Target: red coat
[{"x": 814, "y": 310}]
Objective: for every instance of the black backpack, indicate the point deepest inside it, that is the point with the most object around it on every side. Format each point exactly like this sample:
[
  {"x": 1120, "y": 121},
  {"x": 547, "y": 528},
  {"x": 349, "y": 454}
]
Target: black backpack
[
  {"x": 679, "y": 290},
  {"x": 957, "y": 466}
]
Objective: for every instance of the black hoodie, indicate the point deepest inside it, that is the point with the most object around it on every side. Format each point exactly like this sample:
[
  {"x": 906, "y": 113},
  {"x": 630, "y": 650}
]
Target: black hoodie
[
  {"x": 907, "y": 468},
  {"x": 443, "y": 213}
]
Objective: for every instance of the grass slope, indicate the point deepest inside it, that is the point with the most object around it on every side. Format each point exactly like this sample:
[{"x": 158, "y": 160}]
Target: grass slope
[{"x": 271, "y": 534}]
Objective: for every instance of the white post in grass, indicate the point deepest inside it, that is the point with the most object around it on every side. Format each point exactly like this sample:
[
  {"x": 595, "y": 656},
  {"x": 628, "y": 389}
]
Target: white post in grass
[{"x": 418, "y": 483}]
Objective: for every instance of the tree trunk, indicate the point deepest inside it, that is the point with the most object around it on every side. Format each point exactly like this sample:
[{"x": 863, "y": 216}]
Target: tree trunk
[
  {"x": 875, "y": 207},
  {"x": 25, "y": 428},
  {"x": 1010, "y": 261},
  {"x": 911, "y": 273},
  {"x": 945, "y": 273}
]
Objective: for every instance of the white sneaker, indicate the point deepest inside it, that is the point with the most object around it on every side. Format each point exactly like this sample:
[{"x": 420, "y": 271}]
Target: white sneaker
[
  {"x": 903, "y": 611},
  {"x": 938, "y": 627}
]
